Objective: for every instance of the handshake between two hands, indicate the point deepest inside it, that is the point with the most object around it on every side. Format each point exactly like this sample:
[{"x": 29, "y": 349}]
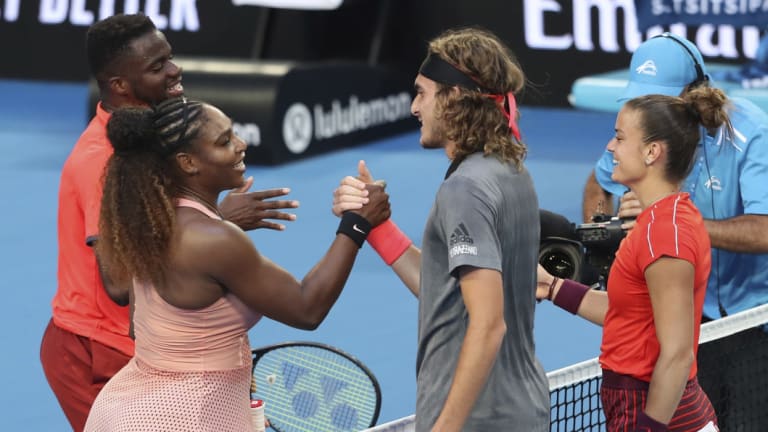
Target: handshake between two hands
[
  {"x": 257, "y": 209},
  {"x": 362, "y": 195}
]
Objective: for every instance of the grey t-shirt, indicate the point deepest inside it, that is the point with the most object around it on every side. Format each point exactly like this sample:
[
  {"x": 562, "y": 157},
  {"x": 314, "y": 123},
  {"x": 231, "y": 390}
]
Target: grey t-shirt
[{"x": 486, "y": 215}]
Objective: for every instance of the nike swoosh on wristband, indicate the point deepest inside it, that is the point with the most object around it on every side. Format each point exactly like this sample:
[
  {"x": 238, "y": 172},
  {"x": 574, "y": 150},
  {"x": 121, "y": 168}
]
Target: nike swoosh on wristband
[{"x": 356, "y": 228}]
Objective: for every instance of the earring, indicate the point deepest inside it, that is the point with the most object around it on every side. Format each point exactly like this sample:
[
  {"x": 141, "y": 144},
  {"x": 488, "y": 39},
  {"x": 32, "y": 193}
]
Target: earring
[{"x": 647, "y": 162}]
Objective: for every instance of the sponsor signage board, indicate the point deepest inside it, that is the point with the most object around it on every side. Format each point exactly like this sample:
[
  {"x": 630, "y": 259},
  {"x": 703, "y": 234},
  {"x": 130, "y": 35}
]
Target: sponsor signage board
[
  {"x": 557, "y": 41},
  {"x": 287, "y": 111}
]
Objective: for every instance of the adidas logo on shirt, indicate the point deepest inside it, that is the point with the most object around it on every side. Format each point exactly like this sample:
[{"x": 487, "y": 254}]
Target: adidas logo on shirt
[
  {"x": 461, "y": 242},
  {"x": 460, "y": 235}
]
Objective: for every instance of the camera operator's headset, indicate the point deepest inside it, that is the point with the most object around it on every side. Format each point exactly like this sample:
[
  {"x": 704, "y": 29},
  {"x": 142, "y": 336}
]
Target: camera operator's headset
[{"x": 702, "y": 78}]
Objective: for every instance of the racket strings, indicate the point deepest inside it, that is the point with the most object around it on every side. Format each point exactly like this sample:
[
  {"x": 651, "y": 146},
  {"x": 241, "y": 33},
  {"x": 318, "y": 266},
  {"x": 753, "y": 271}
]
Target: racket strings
[{"x": 307, "y": 388}]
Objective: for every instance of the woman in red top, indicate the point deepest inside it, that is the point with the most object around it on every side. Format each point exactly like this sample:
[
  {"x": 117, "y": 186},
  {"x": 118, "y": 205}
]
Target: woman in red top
[{"x": 656, "y": 286}]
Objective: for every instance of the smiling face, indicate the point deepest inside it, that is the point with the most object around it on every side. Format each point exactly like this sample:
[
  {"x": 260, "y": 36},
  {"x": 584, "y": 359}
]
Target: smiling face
[
  {"x": 146, "y": 73},
  {"x": 423, "y": 107},
  {"x": 628, "y": 148},
  {"x": 219, "y": 154}
]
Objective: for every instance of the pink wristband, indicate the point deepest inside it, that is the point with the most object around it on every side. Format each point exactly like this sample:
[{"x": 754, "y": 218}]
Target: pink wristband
[
  {"x": 570, "y": 295},
  {"x": 388, "y": 241}
]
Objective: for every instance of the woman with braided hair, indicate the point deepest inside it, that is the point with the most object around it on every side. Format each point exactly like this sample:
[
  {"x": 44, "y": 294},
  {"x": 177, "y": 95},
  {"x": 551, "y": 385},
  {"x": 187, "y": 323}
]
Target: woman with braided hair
[
  {"x": 653, "y": 305},
  {"x": 196, "y": 282}
]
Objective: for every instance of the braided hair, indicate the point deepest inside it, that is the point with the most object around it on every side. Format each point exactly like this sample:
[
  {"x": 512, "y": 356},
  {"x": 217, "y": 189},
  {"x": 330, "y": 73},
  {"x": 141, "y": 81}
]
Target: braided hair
[{"x": 137, "y": 217}]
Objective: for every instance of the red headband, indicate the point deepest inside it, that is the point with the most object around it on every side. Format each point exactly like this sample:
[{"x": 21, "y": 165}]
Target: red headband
[{"x": 509, "y": 114}]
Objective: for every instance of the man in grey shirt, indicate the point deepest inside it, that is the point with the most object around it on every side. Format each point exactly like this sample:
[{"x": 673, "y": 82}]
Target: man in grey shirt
[{"x": 476, "y": 274}]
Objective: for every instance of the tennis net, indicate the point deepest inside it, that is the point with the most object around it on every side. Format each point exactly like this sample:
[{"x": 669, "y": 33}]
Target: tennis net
[{"x": 575, "y": 390}]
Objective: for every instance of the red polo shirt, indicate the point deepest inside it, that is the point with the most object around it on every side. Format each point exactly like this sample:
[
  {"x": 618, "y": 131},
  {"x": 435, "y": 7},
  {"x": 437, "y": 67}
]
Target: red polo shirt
[{"x": 81, "y": 304}]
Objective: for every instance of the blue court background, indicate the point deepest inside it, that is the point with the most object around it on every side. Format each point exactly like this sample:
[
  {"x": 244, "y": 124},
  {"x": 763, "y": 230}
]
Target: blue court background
[{"x": 375, "y": 318}]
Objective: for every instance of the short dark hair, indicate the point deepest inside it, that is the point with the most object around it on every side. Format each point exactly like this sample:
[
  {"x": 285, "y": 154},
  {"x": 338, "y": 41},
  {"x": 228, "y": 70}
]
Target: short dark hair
[{"x": 109, "y": 38}]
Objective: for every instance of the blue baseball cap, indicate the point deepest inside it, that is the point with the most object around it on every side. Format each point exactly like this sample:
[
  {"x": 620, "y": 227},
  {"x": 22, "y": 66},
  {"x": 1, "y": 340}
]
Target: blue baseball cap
[{"x": 665, "y": 64}]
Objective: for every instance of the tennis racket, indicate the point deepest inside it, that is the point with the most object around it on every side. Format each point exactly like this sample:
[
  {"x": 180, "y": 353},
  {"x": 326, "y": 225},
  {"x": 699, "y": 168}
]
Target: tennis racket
[{"x": 308, "y": 386}]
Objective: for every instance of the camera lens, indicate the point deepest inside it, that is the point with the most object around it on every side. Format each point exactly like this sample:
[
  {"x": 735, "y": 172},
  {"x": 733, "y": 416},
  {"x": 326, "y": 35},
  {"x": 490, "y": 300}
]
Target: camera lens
[{"x": 561, "y": 259}]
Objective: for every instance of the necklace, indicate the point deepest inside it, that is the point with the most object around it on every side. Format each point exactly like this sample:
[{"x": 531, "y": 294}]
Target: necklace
[{"x": 194, "y": 196}]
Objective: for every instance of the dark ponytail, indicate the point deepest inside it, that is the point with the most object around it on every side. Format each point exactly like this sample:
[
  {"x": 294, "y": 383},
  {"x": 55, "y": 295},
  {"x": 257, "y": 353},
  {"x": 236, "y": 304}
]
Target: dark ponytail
[{"x": 678, "y": 122}]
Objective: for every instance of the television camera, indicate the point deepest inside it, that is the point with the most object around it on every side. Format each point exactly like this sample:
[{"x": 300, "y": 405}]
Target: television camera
[{"x": 581, "y": 252}]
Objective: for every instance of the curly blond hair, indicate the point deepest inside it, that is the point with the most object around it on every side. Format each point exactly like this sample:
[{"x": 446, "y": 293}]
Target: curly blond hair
[{"x": 473, "y": 120}]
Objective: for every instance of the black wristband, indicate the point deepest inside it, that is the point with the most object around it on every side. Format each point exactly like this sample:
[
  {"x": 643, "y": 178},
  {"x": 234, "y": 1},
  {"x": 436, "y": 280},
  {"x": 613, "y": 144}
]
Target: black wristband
[{"x": 355, "y": 227}]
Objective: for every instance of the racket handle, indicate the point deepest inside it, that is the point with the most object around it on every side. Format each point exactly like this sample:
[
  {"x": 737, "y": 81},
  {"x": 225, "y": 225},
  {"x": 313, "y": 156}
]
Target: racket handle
[{"x": 257, "y": 415}]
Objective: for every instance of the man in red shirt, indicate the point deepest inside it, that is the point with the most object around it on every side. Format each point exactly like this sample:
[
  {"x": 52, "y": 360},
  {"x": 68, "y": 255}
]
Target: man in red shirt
[{"x": 87, "y": 340}]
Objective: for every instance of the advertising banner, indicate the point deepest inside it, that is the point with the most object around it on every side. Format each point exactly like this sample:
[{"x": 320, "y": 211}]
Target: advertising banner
[
  {"x": 290, "y": 110},
  {"x": 303, "y": 82},
  {"x": 737, "y": 13},
  {"x": 45, "y": 39},
  {"x": 556, "y": 41}
]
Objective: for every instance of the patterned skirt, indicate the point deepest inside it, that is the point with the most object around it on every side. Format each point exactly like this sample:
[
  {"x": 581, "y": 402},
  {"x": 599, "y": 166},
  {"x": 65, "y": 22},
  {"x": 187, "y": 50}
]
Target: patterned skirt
[
  {"x": 141, "y": 398},
  {"x": 624, "y": 397}
]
